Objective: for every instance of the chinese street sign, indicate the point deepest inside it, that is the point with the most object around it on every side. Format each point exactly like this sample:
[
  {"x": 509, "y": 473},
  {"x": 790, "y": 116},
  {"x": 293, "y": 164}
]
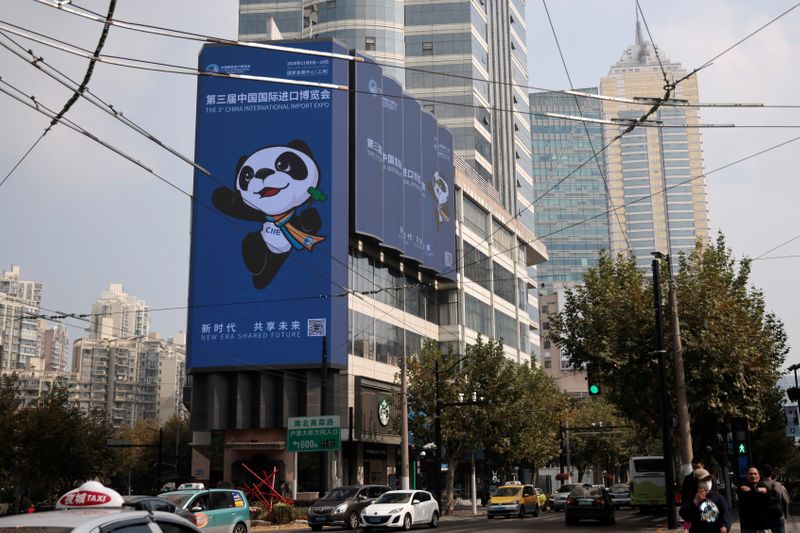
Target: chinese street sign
[{"x": 314, "y": 434}]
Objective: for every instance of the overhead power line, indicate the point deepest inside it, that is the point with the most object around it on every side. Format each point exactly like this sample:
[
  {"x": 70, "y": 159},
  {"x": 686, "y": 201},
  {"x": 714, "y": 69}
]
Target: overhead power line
[{"x": 186, "y": 35}]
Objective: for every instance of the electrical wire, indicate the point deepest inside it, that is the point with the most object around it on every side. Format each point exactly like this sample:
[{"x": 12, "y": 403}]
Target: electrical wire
[
  {"x": 586, "y": 128},
  {"x": 781, "y": 245},
  {"x": 180, "y": 34},
  {"x": 652, "y": 42},
  {"x": 21, "y": 159}
]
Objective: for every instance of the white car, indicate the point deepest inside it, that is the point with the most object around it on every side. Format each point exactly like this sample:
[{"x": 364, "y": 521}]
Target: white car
[{"x": 401, "y": 508}]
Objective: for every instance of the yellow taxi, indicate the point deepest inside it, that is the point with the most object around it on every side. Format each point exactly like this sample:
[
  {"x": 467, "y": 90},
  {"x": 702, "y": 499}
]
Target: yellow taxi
[{"x": 515, "y": 499}]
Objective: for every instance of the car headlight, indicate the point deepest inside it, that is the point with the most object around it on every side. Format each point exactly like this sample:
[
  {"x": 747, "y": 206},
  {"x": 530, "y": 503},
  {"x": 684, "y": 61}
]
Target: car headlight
[
  {"x": 515, "y": 502},
  {"x": 342, "y": 508},
  {"x": 396, "y": 510}
]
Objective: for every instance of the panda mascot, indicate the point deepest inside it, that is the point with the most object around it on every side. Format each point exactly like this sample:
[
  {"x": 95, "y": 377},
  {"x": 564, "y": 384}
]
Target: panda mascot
[
  {"x": 438, "y": 187},
  {"x": 270, "y": 185}
]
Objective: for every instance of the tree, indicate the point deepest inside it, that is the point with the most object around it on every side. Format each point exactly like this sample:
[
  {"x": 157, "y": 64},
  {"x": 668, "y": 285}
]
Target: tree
[
  {"x": 733, "y": 348},
  {"x": 600, "y": 437},
  {"x": 487, "y": 401},
  {"x": 9, "y": 424}
]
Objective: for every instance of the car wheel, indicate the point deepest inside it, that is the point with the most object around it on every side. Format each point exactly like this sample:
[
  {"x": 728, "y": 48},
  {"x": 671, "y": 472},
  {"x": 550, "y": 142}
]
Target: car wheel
[
  {"x": 536, "y": 510},
  {"x": 407, "y": 522},
  {"x": 316, "y": 528},
  {"x": 352, "y": 520},
  {"x": 434, "y": 520},
  {"x": 521, "y": 511},
  {"x": 568, "y": 520},
  {"x": 240, "y": 528}
]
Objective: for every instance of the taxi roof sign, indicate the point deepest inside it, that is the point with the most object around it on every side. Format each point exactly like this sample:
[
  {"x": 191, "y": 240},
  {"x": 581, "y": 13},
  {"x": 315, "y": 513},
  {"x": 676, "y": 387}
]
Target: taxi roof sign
[
  {"x": 191, "y": 486},
  {"x": 91, "y": 494}
]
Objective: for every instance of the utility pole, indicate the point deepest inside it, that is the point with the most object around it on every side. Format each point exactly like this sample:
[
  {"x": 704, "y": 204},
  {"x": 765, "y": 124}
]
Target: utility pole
[
  {"x": 669, "y": 475},
  {"x": 437, "y": 437},
  {"x": 404, "y": 484},
  {"x": 684, "y": 429},
  {"x": 323, "y": 410}
]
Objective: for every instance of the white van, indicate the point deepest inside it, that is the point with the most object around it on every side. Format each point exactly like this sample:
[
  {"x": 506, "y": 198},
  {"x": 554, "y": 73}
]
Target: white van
[{"x": 648, "y": 488}]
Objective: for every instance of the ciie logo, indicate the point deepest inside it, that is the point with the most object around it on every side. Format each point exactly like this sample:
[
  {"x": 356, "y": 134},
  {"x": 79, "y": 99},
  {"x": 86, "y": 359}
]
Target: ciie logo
[
  {"x": 373, "y": 87},
  {"x": 212, "y": 67}
]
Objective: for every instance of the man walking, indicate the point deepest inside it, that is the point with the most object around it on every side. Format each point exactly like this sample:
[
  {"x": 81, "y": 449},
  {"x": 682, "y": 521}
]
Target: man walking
[
  {"x": 753, "y": 503},
  {"x": 706, "y": 510},
  {"x": 778, "y": 510}
]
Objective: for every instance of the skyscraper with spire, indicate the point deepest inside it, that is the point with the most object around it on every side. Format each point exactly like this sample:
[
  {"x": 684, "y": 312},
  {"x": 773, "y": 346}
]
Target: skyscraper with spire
[{"x": 655, "y": 174}]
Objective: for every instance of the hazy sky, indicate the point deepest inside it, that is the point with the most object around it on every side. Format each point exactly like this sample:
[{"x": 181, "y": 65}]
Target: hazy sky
[{"x": 77, "y": 217}]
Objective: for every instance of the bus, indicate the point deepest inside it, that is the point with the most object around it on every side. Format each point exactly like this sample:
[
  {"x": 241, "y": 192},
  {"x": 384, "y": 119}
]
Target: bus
[{"x": 648, "y": 489}]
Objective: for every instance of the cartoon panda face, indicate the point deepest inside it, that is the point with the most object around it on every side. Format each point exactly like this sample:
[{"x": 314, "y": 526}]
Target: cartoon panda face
[{"x": 276, "y": 179}]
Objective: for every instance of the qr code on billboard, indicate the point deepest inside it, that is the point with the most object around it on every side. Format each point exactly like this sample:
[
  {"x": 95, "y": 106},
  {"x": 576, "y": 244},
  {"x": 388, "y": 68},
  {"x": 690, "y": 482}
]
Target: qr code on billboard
[{"x": 316, "y": 327}]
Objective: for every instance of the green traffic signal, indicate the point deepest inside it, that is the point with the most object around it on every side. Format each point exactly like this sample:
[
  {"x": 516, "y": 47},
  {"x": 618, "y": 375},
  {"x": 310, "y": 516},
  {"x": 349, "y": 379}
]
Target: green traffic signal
[
  {"x": 594, "y": 389},
  {"x": 742, "y": 448}
]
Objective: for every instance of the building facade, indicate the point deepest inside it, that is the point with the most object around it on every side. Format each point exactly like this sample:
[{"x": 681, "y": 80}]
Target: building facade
[
  {"x": 131, "y": 379},
  {"x": 655, "y": 174},
  {"x": 465, "y": 62},
  {"x": 55, "y": 347},
  {"x": 116, "y": 314},
  {"x": 571, "y": 204},
  {"x": 20, "y": 338}
]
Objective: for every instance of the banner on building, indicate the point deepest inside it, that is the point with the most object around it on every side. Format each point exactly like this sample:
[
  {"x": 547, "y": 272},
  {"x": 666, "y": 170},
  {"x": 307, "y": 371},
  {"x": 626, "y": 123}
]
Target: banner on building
[{"x": 270, "y": 225}]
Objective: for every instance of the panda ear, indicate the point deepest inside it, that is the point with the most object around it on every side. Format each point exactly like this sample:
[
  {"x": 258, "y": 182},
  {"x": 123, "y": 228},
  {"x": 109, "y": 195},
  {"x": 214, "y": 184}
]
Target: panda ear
[
  {"x": 300, "y": 146},
  {"x": 240, "y": 163}
]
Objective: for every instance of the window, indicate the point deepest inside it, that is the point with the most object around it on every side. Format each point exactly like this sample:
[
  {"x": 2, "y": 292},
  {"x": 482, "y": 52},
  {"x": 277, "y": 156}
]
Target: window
[
  {"x": 421, "y": 496},
  {"x": 546, "y": 345},
  {"x": 221, "y": 499},
  {"x": 427, "y": 47},
  {"x": 369, "y": 43},
  {"x": 545, "y": 326}
]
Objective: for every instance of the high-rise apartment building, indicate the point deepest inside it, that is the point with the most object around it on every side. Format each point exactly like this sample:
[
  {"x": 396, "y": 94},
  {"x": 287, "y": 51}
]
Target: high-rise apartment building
[
  {"x": 648, "y": 160},
  {"x": 20, "y": 339},
  {"x": 55, "y": 347},
  {"x": 124, "y": 377},
  {"x": 571, "y": 204},
  {"x": 116, "y": 314}
]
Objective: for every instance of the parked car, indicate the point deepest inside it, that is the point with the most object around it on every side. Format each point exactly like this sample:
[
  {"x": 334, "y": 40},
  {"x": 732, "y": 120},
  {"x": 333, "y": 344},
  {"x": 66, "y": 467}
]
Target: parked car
[
  {"x": 91, "y": 508},
  {"x": 592, "y": 503},
  {"x": 558, "y": 499},
  {"x": 215, "y": 510},
  {"x": 402, "y": 509},
  {"x": 154, "y": 503},
  {"x": 342, "y": 506},
  {"x": 620, "y": 495},
  {"x": 514, "y": 500}
]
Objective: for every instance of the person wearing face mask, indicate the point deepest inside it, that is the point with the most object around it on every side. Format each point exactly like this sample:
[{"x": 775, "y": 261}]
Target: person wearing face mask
[
  {"x": 754, "y": 503},
  {"x": 707, "y": 510}
]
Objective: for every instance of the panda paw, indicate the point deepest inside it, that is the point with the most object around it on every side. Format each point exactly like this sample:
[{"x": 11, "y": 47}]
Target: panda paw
[{"x": 310, "y": 220}]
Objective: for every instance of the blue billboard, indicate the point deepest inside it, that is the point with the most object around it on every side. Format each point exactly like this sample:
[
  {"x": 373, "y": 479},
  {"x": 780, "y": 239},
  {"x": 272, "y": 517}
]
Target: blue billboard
[
  {"x": 270, "y": 227},
  {"x": 403, "y": 172}
]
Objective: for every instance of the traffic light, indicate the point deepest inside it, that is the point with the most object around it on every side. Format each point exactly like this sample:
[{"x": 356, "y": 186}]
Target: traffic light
[
  {"x": 741, "y": 436},
  {"x": 593, "y": 386}
]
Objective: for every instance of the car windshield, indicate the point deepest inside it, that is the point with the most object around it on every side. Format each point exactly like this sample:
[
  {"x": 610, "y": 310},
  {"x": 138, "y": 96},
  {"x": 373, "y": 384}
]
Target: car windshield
[
  {"x": 507, "y": 491},
  {"x": 178, "y": 499},
  {"x": 619, "y": 488},
  {"x": 584, "y": 492},
  {"x": 566, "y": 488},
  {"x": 394, "y": 497},
  {"x": 341, "y": 493}
]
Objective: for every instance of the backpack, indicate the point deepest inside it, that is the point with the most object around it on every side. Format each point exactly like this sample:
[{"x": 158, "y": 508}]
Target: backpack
[{"x": 775, "y": 506}]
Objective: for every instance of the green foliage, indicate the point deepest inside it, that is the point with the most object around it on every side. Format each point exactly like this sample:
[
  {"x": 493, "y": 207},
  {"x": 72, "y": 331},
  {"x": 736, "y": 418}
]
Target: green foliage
[
  {"x": 605, "y": 439},
  {"x": 732, "y": 347},
  {"x": 283, "y": 514},
  {"x": 513, "y": 424}
]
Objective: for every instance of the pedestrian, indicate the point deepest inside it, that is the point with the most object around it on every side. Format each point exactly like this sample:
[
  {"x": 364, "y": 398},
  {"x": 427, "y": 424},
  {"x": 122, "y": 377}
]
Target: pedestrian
[
  {"x": 778, "y": 510},
  {"x": 706, "y": 510},
  {"x": 753, "y": 503},
  {"x": 689, "y": 485}
]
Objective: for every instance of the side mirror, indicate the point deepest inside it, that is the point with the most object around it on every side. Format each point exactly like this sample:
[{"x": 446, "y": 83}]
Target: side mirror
[
  {"x": 197, "y": 509},
  {"x": 415, "y": 502}
]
